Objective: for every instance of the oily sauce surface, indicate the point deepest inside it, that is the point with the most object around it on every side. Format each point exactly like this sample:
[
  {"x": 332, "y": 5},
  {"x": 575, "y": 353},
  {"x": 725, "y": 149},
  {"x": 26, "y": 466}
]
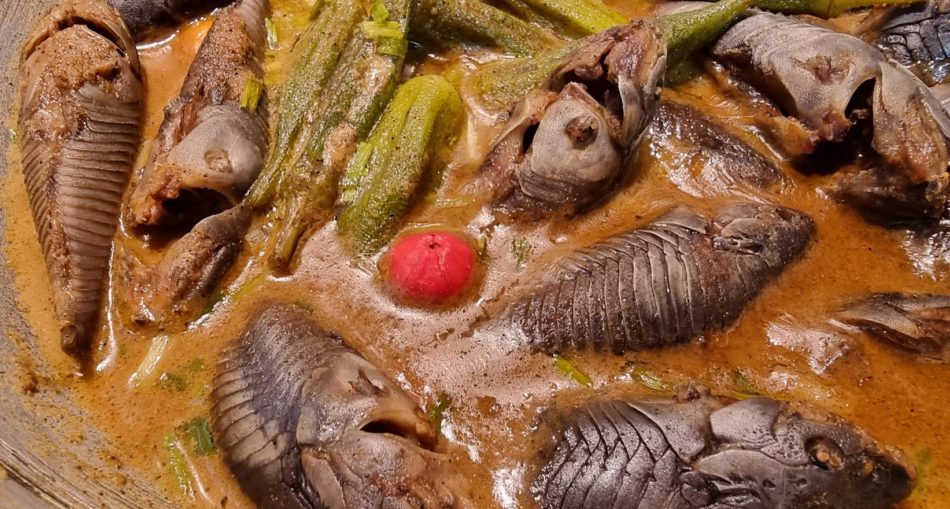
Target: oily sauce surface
[{"x": 782, "y": 345}]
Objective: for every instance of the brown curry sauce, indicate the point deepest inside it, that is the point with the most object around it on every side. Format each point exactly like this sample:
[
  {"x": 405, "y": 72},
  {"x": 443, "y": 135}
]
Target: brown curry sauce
[{"x": 781, "y": 345}]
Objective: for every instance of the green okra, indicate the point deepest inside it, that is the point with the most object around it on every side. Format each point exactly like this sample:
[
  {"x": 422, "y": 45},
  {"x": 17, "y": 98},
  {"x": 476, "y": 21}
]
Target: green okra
[
  {"x": 319, "y": 50},
  {"x": 357, "y": 93},
  {"x": 500, "y": 84},
  {"x": 390, "y": 166},
  {"x": 580, "y": 17},
  {"x": 473, "y": 21},
  {"x": 686, "y": 32},
  {"x": 825, "y": 8}
]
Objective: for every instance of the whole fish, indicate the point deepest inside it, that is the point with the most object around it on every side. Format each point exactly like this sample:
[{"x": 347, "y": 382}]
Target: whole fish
[
  {"x": 79, "y": 121},
  {"x": 713, "y": 453},
  {"x": 657, "y": 286},
  {"x": 567, "y": 143},
  {"x": 835, "y": 85},
  {"x": 143, "y": 16},
  {"x": 305, "y": 422},
  {"x": 211, "y": 144},
  {"x": 917, "y": 323}
]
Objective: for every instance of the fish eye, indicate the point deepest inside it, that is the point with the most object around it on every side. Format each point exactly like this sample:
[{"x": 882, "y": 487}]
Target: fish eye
[{"x": 825, "y": 453}]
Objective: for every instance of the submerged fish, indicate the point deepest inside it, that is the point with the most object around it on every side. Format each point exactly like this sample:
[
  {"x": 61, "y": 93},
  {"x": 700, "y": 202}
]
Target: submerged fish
[
  {"x": 713, "y": 159},
  {"x": 211, "y": 144},
  {"x": 708, "y": 452},
  {"x": 194, "y": 265},
  {"x": 79, "y": 121},
  {"x": 305, "y": 422},
  {"x": 835, "y": 84},
  {"x": 917, "y": 323},
  {"x": 663, "y": 284},
  {"x": 566, "y": 144},
  {"x": 143, "y": 16},
  {"x": 917, "y": 38}
]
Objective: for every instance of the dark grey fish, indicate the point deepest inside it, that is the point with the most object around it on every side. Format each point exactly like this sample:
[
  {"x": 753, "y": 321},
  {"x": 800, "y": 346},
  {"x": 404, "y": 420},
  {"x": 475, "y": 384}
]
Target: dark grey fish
[
  {"x": 918, "y": 37},
  {"x": 566, "y": 144},
  {"x": 80, "y": 114},
  {"x": 715, "y": 453},
  {"x": 725, "y": 161},
  {"x": 191, "y": 269},
  {"x": 663, "y": 284},
  {"x": 916, "y": 323},
  {"x": 144, "y": 16},
  {"x": 305, "y": 422},
  {"x": 210, "y": 147},
  {"x": 834, "y": 84}
]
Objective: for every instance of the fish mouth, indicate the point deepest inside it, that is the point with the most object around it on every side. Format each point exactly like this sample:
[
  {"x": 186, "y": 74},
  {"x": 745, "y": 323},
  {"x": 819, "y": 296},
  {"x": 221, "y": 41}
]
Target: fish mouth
[{"x": 402, "y": 426}]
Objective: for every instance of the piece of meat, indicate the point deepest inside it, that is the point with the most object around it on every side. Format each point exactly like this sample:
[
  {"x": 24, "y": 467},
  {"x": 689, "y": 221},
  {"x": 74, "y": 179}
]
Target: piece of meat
[
  {"x": 918, "y": 37},
  {"x": 715, "y": 160},
  {"x": 144, "y": 16},
  {"x": 79, "y": 121},
  {"x": 211, "y": 144},
  {"x": 706, "y": 452},
  {"x": 664, "y": 284},
  {"x": 567, "y": 144},
  {"x": 837, "y": 87},
  {"x": 305, "y": 422},
  {"x": 916, "y": 323},
  {"x": 194, "y": 265}
]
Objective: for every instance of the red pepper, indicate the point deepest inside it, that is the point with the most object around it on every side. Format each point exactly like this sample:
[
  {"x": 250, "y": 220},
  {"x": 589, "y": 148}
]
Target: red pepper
[{"x": 430, "y": 266}]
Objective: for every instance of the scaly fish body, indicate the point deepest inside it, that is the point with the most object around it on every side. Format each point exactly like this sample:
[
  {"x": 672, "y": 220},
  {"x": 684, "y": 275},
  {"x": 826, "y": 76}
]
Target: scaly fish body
[
  {"x": 79, "y": 125},
  {"x": 304, "y": 422},
  {"x": 703, "y": 452},
  {"x": 663, "y": 284},
  {"x": 916, "y": 37}
]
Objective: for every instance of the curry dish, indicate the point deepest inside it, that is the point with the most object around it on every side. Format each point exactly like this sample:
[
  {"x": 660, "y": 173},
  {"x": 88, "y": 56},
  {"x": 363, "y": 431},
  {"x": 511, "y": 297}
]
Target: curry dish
[{"x": 664, "y": 226}]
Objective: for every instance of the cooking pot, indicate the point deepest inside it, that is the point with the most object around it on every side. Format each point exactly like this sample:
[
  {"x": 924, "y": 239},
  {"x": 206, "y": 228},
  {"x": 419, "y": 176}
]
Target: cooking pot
[{"x": 50, "y": 456}]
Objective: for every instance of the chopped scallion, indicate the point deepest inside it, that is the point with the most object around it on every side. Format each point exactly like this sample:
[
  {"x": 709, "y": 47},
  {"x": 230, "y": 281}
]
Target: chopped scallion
[
  {"x": 251, "y": 96},
  {"x": 566, "y": 367},
  {"x": 436, "y": 414},
  {"x": 272, "y": 40}
]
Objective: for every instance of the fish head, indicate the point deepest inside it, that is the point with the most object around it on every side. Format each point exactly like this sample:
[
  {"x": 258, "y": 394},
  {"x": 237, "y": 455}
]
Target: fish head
[
  {"x": 573, "y": 153},
  {"x": 347, "y": 393},
  {"x": 776, "y": 234},
  {"x": 365, "y": 443},
  {"x": 222, "y": 153},
  {"x": 568, "y": 143},
  {"x": 793, "y": 455},
  {"x": 367, "y": 469}
]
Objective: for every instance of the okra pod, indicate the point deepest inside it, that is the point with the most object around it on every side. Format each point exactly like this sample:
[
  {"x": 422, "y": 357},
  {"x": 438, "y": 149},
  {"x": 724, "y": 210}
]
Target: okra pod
[
  {"x": 577, "y": 17},
  {"x": 825, "y": 8},
  {"x": 686, "y": 32},
  {"x": 356, "y": 94},
  {"x": 499, "y": 85},
  {"x": 388, "y": 169},
  {"x": 473, "y": 21},
  {"x": 319, "y": 49}
]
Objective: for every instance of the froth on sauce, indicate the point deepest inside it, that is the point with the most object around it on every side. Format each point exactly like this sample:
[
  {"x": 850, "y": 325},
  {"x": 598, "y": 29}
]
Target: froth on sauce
[{"x": 780, "y": 345}]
